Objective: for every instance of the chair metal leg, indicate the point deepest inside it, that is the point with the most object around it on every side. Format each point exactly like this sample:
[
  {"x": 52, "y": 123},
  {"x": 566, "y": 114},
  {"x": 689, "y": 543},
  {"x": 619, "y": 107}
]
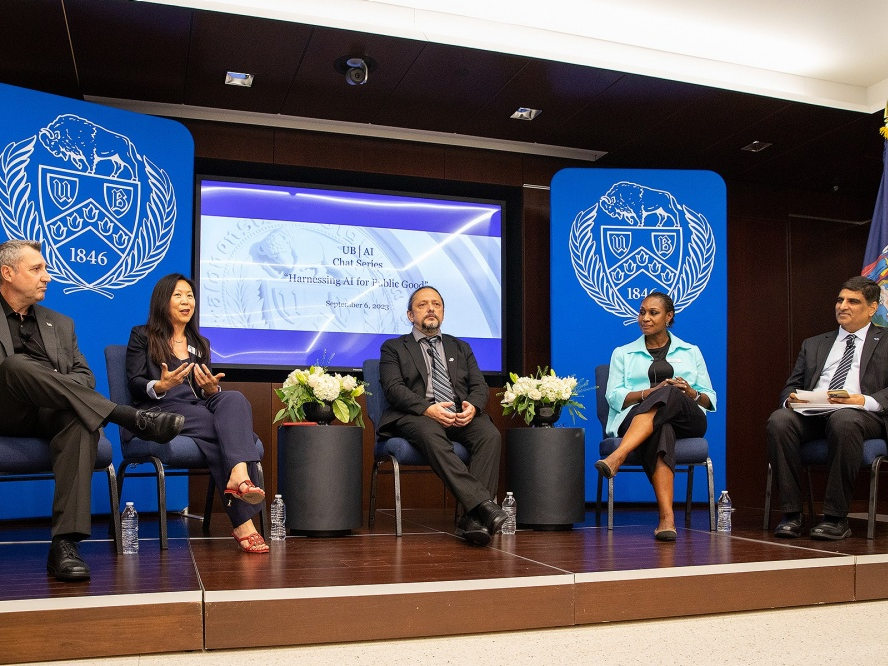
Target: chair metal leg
[
  {"x": 264, "y": 522},
  {"x": 374, "y": 480},
  {"x": 810, "y": 495},
  {"x": 115, "y": 510},
  {"x": 711, "y": 483},
  {"x": 610, "y": 503},
  {"x": 767, "y": 524},
  {"x": 874, "y": 494},
  {"x": 208, "y": 505},
  {"x": 161, "y": 502},
  {"x": 689, "y": 496},
  {"x": 396, "y": 472}
]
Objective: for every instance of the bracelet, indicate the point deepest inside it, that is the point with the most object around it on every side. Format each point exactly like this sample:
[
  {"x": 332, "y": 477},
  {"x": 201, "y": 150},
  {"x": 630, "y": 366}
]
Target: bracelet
[
  {"x": 642, "y": 395},
  {"x": 697, "y": 397}
]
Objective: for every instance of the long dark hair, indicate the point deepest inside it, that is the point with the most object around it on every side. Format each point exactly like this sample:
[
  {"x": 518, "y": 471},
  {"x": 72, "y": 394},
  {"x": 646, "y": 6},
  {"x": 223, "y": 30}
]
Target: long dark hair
[{"x": 160, "y": 328}]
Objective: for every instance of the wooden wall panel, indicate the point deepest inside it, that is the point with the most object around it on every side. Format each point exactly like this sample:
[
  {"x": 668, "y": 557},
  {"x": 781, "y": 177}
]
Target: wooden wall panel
[
  {"x": 758, "y": 287},
  {"x": 535, "y": 328},
  {"x": 362, "y": 154},
  {"x": 474, "y": 165},
  {"x": 241, "y": 143}
]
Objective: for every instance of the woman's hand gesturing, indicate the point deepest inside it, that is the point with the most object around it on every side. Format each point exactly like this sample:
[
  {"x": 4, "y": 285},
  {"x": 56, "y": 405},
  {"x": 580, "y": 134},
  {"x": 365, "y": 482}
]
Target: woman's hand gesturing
[
  {"x": 169, "y": 379},
  {"x": 208, "y": 382}
]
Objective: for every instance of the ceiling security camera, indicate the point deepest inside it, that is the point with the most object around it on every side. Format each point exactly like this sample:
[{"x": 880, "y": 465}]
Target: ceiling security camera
[{"x": 357, "y": 71}]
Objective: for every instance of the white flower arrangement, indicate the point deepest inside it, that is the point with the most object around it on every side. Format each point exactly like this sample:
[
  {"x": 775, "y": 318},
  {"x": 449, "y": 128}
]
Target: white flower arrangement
[
  {"x": 527, "y": 395},
  {"x": 316, "y": 385}
]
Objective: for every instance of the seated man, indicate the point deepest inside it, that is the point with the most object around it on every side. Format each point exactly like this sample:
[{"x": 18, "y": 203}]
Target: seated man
[
  {"x": 436, "y": 394},
  {"x": 854, "y": 358},
  {"x": 47, "y": 390}
]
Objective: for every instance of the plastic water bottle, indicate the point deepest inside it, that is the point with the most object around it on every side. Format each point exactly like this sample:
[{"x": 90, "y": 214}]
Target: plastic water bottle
[
  {"x": 129, "y": 524},
  {"x": 724, "y": 512},
  {"x": 510, "y": 506},
  {"x": 278, "y": 519}
]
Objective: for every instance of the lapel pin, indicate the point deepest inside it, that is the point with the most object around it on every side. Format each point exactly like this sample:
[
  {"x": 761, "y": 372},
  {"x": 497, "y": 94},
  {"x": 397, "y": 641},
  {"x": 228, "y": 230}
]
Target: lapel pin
[
  {"x": 49, "y": 323},
  {"x": 450, "y": 360}
]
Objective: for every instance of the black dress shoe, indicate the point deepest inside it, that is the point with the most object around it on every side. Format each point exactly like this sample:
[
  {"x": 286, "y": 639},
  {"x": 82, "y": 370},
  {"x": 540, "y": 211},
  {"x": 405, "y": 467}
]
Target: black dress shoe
[
  {"x": 789, "y": 528},
  {"x": 158, "y": 426},
  {"x": 65, "y": 563},
  {"x": 492, "y": 516},
  {"x": 831, "y": 531},
  {"x": 472, "y": 531}
]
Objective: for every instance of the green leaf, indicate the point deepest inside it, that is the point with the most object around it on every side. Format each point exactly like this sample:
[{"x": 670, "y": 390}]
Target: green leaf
[{"x": 340, "y": 409}]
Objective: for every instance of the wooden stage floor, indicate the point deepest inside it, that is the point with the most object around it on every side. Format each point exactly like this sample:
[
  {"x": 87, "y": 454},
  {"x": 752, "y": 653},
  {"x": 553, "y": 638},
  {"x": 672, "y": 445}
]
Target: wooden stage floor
[{"x": 204, "y": 594}]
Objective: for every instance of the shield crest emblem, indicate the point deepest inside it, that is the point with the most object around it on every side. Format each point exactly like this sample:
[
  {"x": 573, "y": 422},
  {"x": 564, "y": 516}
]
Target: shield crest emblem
[
  {"x": 89, "y": 220},
  {"x": 643, "y": 258}
]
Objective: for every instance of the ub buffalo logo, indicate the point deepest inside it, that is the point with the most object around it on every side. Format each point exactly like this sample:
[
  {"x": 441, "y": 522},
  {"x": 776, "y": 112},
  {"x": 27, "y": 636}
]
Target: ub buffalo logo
[
  {"x": 644, "y": 241},
  {"x": 97, "y": 231}
]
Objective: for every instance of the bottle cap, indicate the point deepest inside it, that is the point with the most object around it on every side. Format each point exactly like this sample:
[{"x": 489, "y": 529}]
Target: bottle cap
[
  {"x": 129, "y": 503},
  {"x": 509, "y": 493},
  {"x": 278, "y": 497}
]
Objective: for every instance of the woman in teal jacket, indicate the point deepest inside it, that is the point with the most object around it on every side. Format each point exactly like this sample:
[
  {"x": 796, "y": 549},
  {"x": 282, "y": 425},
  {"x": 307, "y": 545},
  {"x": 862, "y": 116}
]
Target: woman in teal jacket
[{"x": 658, "y": 390}]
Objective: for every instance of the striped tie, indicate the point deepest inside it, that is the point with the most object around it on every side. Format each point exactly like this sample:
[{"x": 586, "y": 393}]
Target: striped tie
[
  {"x": 440, "y": 383},
  {"x": 838, "y": 380}
]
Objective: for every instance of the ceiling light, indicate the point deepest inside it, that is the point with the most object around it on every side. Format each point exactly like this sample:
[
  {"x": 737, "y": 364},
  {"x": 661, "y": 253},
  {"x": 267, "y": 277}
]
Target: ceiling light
[
  {"x": 525, "y": 113},
  {"x": 238, "y": 79},
  {"x": 757, "y": 146}
]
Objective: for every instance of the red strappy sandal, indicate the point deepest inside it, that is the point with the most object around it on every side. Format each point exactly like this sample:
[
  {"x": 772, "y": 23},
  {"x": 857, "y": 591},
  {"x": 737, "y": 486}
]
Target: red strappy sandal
[
  {"x": 251, "y": 495},
  {"x": 255, "y": 544}
]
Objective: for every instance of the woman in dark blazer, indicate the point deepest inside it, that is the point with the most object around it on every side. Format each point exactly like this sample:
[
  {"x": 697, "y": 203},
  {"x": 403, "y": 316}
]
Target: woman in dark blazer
[{"x": 166, "y": 366}]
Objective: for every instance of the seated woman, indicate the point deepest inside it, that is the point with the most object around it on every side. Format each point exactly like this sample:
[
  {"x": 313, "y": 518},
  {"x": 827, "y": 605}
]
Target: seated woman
[
  {"x": 658, "y": 390},
  {"x": 166, "y": 365}
]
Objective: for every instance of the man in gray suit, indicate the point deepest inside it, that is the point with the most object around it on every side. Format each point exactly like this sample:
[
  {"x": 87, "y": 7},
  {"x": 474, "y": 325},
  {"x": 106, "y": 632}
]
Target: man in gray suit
[
  {"x": 47, "y": 390},
  {"x": 430, "y": 409},
  {"x": 853, "y": 358}
]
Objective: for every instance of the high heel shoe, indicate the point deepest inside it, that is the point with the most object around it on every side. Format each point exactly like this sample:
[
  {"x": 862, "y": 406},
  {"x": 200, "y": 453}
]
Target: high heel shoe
[
  {"x": 255, "y": 544},
  {"x": 252, "y": 494},
  {"x": 605, "y": 469}
]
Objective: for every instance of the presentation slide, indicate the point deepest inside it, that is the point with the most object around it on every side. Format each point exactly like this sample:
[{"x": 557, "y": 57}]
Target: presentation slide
[{"x": 293, "y": 276}]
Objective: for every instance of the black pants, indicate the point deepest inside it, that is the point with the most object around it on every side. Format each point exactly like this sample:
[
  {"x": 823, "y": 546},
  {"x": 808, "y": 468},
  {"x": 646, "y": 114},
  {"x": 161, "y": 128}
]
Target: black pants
[
  {"x": 844, "y": 430},
  {"x": 470, "y": 486},
  {"x": 677, "y": 417},
  {"x": 37, "y": 401}
]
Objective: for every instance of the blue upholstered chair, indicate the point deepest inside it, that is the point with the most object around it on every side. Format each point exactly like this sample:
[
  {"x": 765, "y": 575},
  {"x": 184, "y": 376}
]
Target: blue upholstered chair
[
  {"x": 178, "y": 457},
  {"x": 689, "y": 453},
  {"x": 875, "y": 452},
  {"x": 29, "y": 459},
  {"x": 396, "y": 450}
]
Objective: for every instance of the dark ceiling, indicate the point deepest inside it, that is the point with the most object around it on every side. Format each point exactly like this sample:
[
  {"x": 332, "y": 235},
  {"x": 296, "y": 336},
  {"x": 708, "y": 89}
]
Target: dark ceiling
[{"x": 141, "y": 51}]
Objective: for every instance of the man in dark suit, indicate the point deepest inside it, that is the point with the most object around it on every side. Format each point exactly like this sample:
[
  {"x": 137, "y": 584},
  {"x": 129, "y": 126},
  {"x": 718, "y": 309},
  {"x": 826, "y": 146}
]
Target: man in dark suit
[
  {"x": 47, "y": 390},
  {"x": 430, "y": 409},
  {"x": 853, "y": 358}
]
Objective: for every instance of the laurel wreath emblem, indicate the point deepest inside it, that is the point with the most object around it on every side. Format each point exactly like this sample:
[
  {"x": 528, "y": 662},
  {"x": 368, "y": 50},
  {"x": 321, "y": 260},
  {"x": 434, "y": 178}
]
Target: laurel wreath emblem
[
  {"x": 589, "y": 269},
  {"x": 21, "y": 221}
]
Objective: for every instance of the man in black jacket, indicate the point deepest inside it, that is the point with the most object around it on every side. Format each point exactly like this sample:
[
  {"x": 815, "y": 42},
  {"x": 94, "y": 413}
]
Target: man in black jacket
[
  {"x": 853, "y": 358},
  {"x": 47, "y": 390},
  {"x": 437, "y": 394}
]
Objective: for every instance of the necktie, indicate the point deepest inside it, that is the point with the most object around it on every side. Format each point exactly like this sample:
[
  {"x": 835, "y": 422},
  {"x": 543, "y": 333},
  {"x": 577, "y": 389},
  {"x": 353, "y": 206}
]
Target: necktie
[
  {"x": 838, "y": 379},
  {"x": 440, "y": 383}
]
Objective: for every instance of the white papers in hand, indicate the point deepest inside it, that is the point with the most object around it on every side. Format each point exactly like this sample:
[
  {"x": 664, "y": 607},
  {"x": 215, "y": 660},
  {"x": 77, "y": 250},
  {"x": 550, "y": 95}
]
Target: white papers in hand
[{"x": 817, "y": 402}]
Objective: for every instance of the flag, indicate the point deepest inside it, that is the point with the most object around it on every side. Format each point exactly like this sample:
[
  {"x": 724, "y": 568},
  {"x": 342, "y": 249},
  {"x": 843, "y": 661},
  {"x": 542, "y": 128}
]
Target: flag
[{"x": 875, "y": 259}]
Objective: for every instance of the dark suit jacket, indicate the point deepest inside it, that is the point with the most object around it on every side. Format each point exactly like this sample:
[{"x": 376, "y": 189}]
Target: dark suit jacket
[
  {"x": 60, "y": 343},
  {"x": 141, "y": 369},
  {"x": 404, "y": 378},
  {"x": 873, "y": 365}
]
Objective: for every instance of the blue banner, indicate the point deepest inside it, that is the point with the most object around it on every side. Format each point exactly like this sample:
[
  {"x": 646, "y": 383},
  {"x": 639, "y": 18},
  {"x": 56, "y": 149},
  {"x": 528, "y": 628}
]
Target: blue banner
[
  {"x": 617, "y": 235},
  {"x": 109, "y": 195}
]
